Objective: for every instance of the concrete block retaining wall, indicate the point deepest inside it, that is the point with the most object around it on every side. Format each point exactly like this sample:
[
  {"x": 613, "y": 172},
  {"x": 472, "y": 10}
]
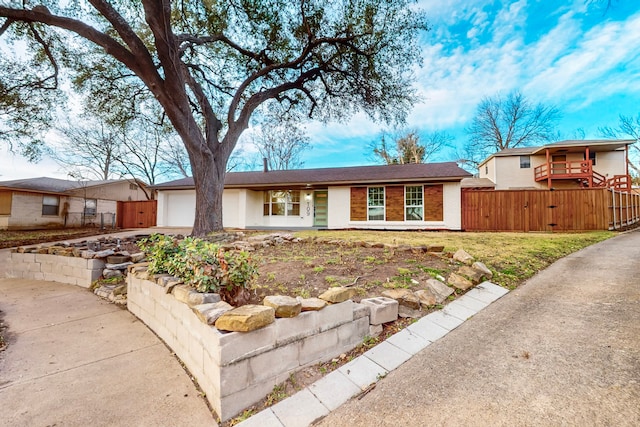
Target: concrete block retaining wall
[
  {"x": 72, "y": 270},
  {"x": 237, "y": 369}
]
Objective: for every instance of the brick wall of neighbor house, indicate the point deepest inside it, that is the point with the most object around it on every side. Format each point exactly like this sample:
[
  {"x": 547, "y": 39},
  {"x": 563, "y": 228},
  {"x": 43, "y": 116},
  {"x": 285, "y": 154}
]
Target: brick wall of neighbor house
[
  {"x": 434, "y": 203},
  {"x": 26, "y": 212},
  {"x": 394, "y": 202},
  {"x": 358, "y": 203}
]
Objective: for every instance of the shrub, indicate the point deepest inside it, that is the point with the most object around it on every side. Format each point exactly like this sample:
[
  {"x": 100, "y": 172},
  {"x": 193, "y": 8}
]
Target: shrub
[{"x": 204, "y": 265}]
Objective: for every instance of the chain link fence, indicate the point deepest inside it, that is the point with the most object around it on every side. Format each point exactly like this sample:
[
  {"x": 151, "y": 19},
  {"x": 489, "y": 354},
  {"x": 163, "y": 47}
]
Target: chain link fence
[{"x": 103, "y": 220}]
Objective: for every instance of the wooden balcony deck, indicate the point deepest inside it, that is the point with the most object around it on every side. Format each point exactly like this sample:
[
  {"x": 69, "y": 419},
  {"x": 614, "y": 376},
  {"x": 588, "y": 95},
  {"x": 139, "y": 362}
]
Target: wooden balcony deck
[{"x": 581, "y": 171}]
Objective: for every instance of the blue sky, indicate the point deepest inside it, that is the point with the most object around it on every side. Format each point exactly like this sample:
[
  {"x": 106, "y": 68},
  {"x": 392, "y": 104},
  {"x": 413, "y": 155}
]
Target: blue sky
[
  {"x": 573, "y": 54},
  {"x": 578, "y": 56}
]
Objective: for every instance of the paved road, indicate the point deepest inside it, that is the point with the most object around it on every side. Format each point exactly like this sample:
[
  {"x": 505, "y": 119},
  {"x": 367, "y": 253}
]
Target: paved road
[
  {"x": 74, "y": 360},
  {"x": 563, "y": 349}
]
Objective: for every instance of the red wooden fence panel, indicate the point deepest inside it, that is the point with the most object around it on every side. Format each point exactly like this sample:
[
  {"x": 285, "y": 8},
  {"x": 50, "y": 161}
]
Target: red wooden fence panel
[
  {"x": 141, "y": 214},
  {"x": 536, "y": 210}
]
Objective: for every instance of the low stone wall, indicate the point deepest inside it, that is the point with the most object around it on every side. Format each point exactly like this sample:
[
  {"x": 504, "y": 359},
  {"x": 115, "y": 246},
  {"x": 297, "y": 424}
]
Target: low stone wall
[
  {"x": 63, "y": 269},
  {"x": 237, "y": 369}
]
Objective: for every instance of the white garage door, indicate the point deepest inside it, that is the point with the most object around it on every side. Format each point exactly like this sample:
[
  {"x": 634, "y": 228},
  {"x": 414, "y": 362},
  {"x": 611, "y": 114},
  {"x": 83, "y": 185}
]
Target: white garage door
[{"x": 181, "y": 209}]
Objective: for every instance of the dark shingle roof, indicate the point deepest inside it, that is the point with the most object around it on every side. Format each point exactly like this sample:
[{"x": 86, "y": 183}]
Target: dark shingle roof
[
  {"x": 567, "y": 145},
  {"x": 51, "y": 185},
  {"x": 447, "y": 171}
]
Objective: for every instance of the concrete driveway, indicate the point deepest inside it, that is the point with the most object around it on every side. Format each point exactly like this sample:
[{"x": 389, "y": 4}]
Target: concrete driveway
[
  {"x": 563, "y": 349},
  {"x": 75, "y": 360}
]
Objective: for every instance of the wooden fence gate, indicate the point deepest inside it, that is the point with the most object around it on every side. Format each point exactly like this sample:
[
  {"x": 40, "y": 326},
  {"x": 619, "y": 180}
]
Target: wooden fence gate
[
  {"x": 140, "y": 214},
  {"x": 544, "y": 210}
]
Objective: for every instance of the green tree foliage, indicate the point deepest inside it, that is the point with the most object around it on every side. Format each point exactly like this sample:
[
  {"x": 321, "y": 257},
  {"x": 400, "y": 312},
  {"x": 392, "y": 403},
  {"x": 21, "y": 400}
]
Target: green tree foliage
[{"x": 211, "y": 64}]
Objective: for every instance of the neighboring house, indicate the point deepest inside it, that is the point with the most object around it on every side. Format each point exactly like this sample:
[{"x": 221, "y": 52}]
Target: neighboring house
[
  {"x": 398, "y": 197},
  {"x": 564, "y": 164},
  {"x": 49, "y": 202}
]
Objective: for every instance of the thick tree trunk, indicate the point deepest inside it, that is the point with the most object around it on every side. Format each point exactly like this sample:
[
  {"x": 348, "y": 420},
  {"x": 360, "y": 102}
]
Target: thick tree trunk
[{"x": 208, "y": 177}]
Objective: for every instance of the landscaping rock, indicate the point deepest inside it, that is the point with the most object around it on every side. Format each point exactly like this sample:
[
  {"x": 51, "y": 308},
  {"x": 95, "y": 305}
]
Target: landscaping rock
[
  {"x": 483, "y": 268},
  {"x": 459, "y": 282},
  {"x": 209, "y": 313},
  {"x": 198, "y": 298},
  {"x": 476, "y": 276},
  {"x": 311, "y": 304},
  {"x": 404, "y": 297},
  {"x": 246, "y": 318},
  {"x": 284, "y": 306},
  {"x": 439, "y": 289},
  {"x": 103, "y": 254},
  {"x": 404, "y": 311},
  {"x": 426, "y": 297},
  {"x": 181, "y": 293},
  {"x": 462, "y": 256},
  {"x": 121, "y": 266},
  {"x": 108, "y": 273},
  {"x": 138, "y": 257},
  {"x": 337, "y": 294}
]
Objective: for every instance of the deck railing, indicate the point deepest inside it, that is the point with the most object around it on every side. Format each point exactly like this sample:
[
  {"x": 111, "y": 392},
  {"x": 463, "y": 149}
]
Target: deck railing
[
  {"x": 574, "y": 169},
  {"x": 581, "y": 170}
]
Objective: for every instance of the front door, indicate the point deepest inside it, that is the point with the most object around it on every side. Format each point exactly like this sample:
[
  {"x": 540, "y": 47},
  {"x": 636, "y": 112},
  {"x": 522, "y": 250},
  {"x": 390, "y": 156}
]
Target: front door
[
  {"x": 559, "y": 168},
  {"x": 320, "y": 208}
]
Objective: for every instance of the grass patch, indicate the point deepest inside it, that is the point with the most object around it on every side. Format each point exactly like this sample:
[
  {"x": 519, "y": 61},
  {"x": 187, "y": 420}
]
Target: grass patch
[{"x": 513, "y": 256}]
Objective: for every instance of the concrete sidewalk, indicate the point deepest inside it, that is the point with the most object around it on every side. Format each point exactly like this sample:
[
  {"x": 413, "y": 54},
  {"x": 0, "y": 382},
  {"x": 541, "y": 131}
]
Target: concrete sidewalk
[
  {"x": 75, "y": 360},
  {"x": 563, "y": 349}
]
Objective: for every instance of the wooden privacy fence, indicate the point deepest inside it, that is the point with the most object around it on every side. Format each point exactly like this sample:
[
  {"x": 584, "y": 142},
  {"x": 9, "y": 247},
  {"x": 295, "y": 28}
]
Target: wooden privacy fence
[
  {"x": 140, "y": 214},
  {"x": 545, "y": 210}
]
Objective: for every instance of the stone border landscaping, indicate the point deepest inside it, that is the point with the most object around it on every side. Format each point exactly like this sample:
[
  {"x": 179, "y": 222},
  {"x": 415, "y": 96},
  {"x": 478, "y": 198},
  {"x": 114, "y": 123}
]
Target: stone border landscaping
[{"x": 230, "y": 351}]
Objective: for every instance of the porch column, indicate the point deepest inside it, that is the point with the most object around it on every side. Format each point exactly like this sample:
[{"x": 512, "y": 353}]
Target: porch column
[
  {"x": 548, "y": 169},
  {"x": 590, "y": 169}
]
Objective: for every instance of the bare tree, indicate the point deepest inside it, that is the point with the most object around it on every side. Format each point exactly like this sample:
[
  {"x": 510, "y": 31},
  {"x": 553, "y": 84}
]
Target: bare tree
[
  {"x": 88, "y": 150},
  {"x": 508, "y": 122},
  {"x": 280, "y": 139},
  {"x": 628, "y": 127},
  {"x": 408, "y": 148},
  {"x": 210, "y": 65}
]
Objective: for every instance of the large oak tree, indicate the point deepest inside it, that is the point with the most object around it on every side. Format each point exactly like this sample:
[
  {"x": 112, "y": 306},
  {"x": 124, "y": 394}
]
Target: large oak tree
[{"x": 210, "y": 64}]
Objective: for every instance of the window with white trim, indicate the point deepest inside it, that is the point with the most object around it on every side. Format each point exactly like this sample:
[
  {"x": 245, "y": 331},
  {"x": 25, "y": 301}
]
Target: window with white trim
[
  {"x": 90, "y": 207},
  {"x": 50, "y": 205},
  {"x": 281, "y": 203},
  {"x": 413, "y": 203},
  {"x": 525, "y": 162},
  {"x": 375, "y": 203}
]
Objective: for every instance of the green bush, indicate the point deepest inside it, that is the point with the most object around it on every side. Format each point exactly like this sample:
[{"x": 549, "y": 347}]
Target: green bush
[{"x": 204, "y": 265}]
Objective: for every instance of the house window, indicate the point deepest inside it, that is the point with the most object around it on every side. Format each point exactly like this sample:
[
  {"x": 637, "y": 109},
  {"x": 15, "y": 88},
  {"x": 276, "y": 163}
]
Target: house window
[
  {"x": 413, "y": 205},
  {"x": 592, "y": 157},
  {"x": 486, "y": 169},
  {"x": 525, "y": 162},
  {"x": 50, "y": 205},
  {"x": 281, "y": 203},
  {"x": 5, "y": 202},
  {"x": 375, "y": 204},
  {"x": 90, "y": 207},
  {"x": 133, "y": 187}
]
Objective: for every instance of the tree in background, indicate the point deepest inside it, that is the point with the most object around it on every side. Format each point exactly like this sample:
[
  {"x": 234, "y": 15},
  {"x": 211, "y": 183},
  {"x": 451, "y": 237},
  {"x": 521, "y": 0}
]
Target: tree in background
[
  {"x": 628, "y": 127},
  {"x": 280, "y": 140},
  {"x": 511, "y": 121},
  {"x": 408, "y": 148},
  {"x": 210, "y": 65},
  {"x": 87, "y": 150}
]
